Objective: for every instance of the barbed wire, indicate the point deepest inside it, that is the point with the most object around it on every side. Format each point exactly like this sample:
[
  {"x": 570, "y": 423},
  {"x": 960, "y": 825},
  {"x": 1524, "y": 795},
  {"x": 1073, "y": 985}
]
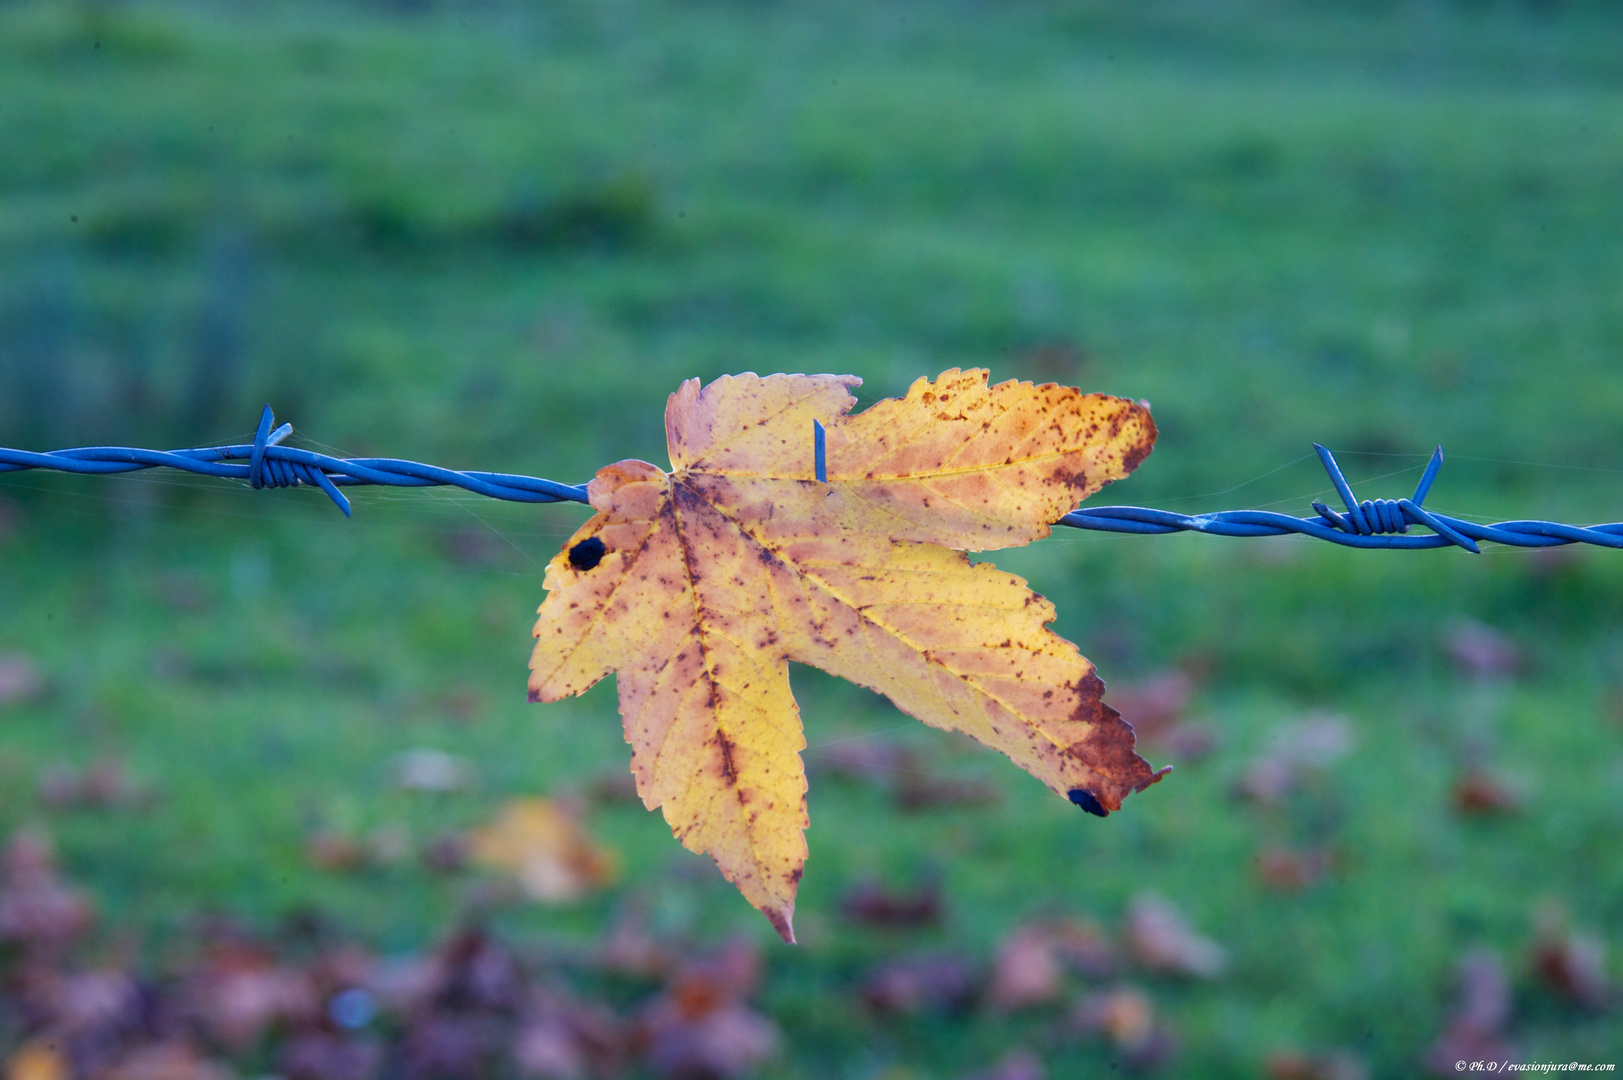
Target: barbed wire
[{"x": 1379, "y": 523}]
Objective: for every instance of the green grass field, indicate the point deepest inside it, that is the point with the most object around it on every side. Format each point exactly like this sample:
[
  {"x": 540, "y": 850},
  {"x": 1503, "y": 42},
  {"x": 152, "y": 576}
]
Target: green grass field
[{"x": 496, "y": 236}]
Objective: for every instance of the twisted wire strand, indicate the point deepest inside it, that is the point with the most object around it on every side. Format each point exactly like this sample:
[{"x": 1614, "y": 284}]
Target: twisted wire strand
[
  {"x": 269, "y": 464},
  {"x": 1379, "y": 523}
]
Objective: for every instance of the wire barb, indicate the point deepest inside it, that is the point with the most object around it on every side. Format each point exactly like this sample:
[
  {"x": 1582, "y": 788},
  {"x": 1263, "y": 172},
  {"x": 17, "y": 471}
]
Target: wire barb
[
  {"x": 1377, "y": 523},
  {"x": 1383, "y": 516}
]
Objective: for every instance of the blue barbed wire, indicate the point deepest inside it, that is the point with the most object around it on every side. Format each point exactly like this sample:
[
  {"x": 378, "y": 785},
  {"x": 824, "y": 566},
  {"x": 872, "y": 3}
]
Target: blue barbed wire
[{"x": 1379, "y": 523}]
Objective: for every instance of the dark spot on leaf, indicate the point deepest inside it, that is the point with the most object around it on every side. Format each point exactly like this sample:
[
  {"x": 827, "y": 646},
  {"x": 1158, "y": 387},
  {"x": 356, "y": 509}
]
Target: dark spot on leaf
[
  {"x": 1084, "y": 798},
  {"x": 729, "y": 770},
  {"x": 587, "y": 554}
]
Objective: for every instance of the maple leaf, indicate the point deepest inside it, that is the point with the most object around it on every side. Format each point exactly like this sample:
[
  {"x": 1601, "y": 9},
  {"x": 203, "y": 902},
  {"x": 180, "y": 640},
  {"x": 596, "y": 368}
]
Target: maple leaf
[{"x": 698, "y": 586}]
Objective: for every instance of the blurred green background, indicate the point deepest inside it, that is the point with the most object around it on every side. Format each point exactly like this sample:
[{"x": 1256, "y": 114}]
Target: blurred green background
[{"x": 495, "y": 235}]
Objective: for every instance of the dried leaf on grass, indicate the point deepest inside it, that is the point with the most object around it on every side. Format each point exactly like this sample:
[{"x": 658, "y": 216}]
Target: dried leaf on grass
[
  {"x": 872, "y": 904},
  {"x": 546, "y": 848},
  {"x": 1475, "y": 1030},
  {"x": 1125, "y": 1018},
  {"x": 432, "y": 771},
  {"x": 925, "y": 983},
  {"x": 325, "y": 1055},
  {"x": 1329, "y": 1065},
  {"x": 1030, "y": 966},
  {"x": 1482, "y": 652},
  {"x": 38, "y": 910},
  {"x": 1161, "y": 940},
  {"x": 1017, "y": 1064},
  {"x": 1480, "y": 792},
  {"x": 172, "y": 1061},
  {"x": 905, "y": 773},
  {"x": 1298, "y": 753},
  {"x": 1572, "y": 963},
  {"x": 306, "y": 1002},
  {"x": 699, "y": 586},
  {"x": 1293, "y": 869},
  {"x": 560, "y": 1038},
  {"x": 446, "y": 853},
  {"x": 21, "y": 679},
  {"x": 1026, "y": 971},
  {"x": 631, "y": 949},
  {"x": 103, "y": 785},
  {"x": 873, "y": 761},
  {"x": 701, "y": 1025},
  {"x": 334, "y": 851},
  {"x": 242, "y": 991}
]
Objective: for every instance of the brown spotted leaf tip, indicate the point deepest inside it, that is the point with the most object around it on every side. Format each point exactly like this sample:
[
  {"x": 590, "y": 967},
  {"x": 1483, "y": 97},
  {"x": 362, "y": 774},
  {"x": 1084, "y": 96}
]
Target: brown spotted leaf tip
[{"x": 698, "y": 586}]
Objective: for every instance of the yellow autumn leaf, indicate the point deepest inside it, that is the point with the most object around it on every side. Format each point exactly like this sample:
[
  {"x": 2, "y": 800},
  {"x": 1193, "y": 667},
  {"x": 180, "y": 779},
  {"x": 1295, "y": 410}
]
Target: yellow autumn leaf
[
  {"x": 545, "y": 848},
  {"x": 698, "y": 586}
]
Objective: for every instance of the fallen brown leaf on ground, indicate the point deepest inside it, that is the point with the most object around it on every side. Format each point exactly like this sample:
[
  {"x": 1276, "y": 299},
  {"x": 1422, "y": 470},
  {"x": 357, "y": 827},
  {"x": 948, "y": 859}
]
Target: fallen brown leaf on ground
[
  {"x": 173, "y": 1061},
  {"x": 873, "y": 761},
  {"x": 929, "y": 982},
  {"x": 38, "y": 911},
  {"x": 546, "y": 849},
  {"x": 335, "y": 851},
  {"x": 903, "y": 772},
  {"x": 242, "y": 990},
  {"x": 432, "y": 771},
  {"x": 1026, "y": 970},
  {"x": 915, "y": 791},
  {"x": 1086, "y": 949},
  {"x": 1161, "y": 940},
  {"x": 21, "y": 679},
  {"x": 1570, "y": 962},
  {"x": 561, "y": 1038},
  {"x": 183, "y": 590},
  {"x": 459, "y": 704},
  {"x": 453, "y": 1045},
  {"x": 1481, "y": 793},
  {"x": 1125, "y": 1018},
  {"x": 1297, "y": 753},
  {"x": 325, "y": 1055},
  {"x": 320, "y": 1009},
  {"x": 447, "y": 853},
  {"x": 103, "y": 785},
  {"x": 1291, "y": 869},
  {"x": 1017, "y": 1064},
  {"x": 1331, "y": 1065},
  {"x": 1029, "y": 967},
  {"x": 701, "y": 1025},
  {"x": 1480, "y": 651},
  {"x": 872, "y": 904},
  {"x": 72, "y": 1004},
  {"x": 1475, "y": 1029},
  {"x": 630, "y": 949}
]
